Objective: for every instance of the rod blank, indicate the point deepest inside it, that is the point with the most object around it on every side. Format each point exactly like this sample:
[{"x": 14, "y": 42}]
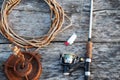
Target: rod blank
[{"x": 91, "y": 18}]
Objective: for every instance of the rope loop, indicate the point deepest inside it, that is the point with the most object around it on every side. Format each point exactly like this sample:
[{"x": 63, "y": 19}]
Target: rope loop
[{"x": 55, "y": 28}]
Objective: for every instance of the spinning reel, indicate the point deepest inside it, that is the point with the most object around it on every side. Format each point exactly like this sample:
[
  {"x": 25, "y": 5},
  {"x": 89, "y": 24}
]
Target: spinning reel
[{"x": 70, "y": 62}]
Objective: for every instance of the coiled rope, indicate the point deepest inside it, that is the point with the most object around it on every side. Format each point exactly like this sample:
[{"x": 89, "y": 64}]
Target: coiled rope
[{"x": 55, "y": 28}]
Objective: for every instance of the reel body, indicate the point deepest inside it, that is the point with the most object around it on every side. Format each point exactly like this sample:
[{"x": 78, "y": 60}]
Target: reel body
[{"x": 70, "y": 62}]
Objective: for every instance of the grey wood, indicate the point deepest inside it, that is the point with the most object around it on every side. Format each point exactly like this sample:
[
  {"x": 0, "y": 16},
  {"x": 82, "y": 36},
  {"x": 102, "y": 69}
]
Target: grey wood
[
  {"x": 105, "y": 65},
  {"x": 35, "y": 14},
  {"x": 32, "y": 18}
]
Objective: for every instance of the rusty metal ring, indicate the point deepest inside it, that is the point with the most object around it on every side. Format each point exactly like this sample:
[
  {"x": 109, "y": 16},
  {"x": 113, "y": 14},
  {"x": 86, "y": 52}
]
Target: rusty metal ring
[{"x": 31, "y": 71}]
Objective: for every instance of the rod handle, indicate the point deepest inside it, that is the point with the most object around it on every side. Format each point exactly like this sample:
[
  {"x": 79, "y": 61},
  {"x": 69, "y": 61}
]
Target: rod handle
[
  {"x": 88, "y": 60},
  {"x": 89, "y": 50},
  {"x": 87, "y": 78}
]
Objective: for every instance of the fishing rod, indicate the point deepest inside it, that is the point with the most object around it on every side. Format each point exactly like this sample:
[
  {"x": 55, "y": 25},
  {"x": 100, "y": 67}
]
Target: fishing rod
[
  {"x": 89, "y": 46},
  {"x": 71, "y": 62}
]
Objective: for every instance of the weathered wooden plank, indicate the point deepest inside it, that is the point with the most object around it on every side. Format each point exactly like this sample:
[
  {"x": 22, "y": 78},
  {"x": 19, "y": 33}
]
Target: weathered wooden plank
[
  {"x": 105, "y": 65},
  {"x": 107, "y": 4},
  {"x": 71, "y": 5},
  {"x": 103, "y": 72},
  {"x": 101, "y": 51},
  {"x": 104, "y": 23},
  {"x": 105, "y": 27}
]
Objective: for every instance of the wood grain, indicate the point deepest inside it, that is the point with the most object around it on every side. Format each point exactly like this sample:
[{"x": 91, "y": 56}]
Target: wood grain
[
  {"x": 32, "y": 18},
  {"x": 106, "y": 60},
  {"x": 28, "y": 20}
]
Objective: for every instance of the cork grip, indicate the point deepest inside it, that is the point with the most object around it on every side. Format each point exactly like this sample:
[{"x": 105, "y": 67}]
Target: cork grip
[{"x": 89, "y": 49}]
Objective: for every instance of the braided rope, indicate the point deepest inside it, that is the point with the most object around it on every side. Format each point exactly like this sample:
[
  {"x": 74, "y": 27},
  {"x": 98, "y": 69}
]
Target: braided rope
[{"x": 55, "y": 28}]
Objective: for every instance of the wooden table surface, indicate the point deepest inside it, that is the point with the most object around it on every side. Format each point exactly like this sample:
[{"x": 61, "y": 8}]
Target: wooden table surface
[{"x": 32, "y": 18}]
